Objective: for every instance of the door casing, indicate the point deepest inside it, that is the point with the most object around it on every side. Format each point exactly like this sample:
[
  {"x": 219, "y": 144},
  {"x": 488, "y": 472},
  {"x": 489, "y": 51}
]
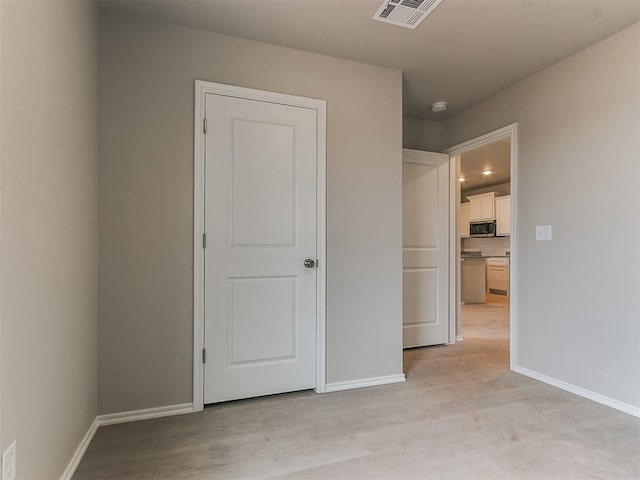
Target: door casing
[
  {"x": 509, "y": 131},
  {"x": 201, "y": 89}
]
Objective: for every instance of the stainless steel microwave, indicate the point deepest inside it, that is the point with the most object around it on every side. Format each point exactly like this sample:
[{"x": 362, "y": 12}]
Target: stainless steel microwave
[{"x": 482, "y": 229}]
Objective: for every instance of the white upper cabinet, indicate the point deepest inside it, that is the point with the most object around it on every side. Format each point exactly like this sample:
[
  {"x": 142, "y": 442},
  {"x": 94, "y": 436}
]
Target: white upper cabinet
[
  {"x": 503, "y": 216},
  {"x": 463, "y": 220},
  {"x": 482, "y": 207}
]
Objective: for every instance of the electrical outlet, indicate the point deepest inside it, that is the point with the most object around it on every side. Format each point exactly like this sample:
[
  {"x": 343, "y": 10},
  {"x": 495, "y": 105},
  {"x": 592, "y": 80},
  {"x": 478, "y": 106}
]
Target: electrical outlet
[
  {"x": 543, "y": 232},
  {"x": 9, "y": 462}
]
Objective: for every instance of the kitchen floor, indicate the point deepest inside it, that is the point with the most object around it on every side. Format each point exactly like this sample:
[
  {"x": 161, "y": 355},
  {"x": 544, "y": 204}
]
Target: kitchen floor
[
  {"x": 487, "y": 320},
  {"x": 462, "y": 414}
]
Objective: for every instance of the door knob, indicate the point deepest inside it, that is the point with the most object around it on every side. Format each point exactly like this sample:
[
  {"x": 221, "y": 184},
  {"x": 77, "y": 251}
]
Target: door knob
[{"x": 309, "y": 263}]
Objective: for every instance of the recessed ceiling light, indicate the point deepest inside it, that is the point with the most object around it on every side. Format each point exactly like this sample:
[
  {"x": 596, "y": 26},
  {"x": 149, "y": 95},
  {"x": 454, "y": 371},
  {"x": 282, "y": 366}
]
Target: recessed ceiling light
[
  {"x": 487, "y": 172},
  {"x": 461, "y": 179},
  {"x": 438, "y": 107}
]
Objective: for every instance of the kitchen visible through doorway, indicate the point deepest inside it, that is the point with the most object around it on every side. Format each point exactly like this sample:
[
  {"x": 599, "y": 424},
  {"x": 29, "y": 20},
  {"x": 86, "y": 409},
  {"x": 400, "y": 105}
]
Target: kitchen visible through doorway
[{"x": 484, "y": 242}]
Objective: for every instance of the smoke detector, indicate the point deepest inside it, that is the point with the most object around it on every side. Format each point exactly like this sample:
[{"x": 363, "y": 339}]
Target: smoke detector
[
  {"x": 438, "y": 107},
  {"x": 405, "y": 13}
]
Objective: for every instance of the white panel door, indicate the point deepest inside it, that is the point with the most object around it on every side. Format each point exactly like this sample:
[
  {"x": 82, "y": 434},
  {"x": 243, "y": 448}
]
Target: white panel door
[
  {"x": 425, "y": 206},
  {"x": 260, "y": 221}
]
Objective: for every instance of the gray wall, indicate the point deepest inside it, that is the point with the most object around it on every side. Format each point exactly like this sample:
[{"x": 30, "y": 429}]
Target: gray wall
[
  {"x": 578, "y": 170},
  {"x": 49, "y": 231},
  {"x": 419, "y": 134},
  {"x": 147, "y": 73}
]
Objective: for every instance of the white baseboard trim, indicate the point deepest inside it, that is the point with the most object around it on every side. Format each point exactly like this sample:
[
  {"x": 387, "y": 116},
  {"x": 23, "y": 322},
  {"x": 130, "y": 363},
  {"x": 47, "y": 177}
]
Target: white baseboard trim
[
  {"x": 79, "y": 453},
  {"x": 583, "y": 392},
  {"x": 146, "y": 414},
  {"x": 365, "y": 382},
  {"x": 459, "y": 338},
  {"x": 115, "y": 418}
]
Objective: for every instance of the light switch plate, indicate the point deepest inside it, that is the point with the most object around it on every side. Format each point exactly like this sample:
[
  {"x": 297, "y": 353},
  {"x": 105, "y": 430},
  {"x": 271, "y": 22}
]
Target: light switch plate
[
  {"x": 9, "y": 462},
  {"x": 543, "y": 232}
]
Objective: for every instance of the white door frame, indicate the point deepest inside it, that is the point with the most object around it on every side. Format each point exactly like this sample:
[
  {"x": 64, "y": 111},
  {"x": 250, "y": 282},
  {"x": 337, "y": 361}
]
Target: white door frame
[
  {"x": 320, "y": 106},
  {"x": 509, "y": 131}
]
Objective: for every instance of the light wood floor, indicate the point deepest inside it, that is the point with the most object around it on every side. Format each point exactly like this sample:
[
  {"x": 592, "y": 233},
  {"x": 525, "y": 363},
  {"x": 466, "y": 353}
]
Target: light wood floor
[
  {"x": 489, "y": 320},
  {"x": 461, "y": 415}
]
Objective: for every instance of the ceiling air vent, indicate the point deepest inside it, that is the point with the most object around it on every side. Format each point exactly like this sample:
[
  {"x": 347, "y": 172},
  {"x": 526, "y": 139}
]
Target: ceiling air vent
[{"x": 405, "y": 13}]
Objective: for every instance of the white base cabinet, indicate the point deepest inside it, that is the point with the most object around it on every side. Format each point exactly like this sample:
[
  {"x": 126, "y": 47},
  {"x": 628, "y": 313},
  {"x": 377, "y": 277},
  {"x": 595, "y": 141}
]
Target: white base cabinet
[{"x": 498, "y": 275}]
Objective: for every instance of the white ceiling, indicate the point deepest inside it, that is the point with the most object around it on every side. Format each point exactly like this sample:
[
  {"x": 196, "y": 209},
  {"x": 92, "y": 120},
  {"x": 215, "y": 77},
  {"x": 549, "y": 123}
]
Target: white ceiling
[
  {"x": 465, "y": 51},
  {"x": 495, "y": 157}
]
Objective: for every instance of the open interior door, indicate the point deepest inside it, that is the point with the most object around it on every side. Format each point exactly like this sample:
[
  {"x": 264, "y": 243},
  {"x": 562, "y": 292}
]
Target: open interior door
[{"x": 425, "y": 197}]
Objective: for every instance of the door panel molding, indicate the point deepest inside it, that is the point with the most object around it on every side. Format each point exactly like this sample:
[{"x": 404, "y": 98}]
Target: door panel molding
[{"x": 202, "y": 88}]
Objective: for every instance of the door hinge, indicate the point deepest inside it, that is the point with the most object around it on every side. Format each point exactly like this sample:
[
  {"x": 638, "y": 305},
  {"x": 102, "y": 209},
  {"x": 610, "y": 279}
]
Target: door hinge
[
  {"x": 204, "y": 355},
  {"x": 204, "y": 126},
  {"x": 204, "y": 240}
]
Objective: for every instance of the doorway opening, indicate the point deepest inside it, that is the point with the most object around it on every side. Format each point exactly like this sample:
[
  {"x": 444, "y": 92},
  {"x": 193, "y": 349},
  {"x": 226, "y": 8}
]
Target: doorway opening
[{"x": 483, "y": 214}]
